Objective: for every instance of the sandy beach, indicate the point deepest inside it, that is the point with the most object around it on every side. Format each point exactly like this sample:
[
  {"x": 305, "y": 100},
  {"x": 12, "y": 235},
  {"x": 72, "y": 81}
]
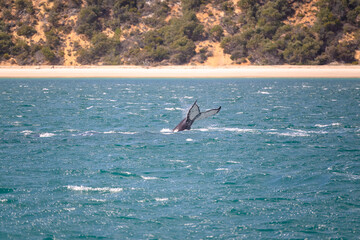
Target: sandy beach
[{"x": 284, "y": 71}]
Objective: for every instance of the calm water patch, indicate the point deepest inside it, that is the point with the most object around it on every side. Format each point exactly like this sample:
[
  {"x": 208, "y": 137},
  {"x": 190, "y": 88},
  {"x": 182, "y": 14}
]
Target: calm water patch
[{"x": 96, "y": 158}]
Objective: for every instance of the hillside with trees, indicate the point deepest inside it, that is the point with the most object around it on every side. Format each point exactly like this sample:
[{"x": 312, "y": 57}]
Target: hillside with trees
[{"x": 179, "y": 32}]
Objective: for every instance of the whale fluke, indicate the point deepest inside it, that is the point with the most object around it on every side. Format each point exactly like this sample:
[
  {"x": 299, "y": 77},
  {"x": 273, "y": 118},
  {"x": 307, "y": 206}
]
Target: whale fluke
[{"x": 194, "y": 114}]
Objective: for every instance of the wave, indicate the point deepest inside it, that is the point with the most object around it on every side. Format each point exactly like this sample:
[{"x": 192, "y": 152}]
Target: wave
[
  {"x": 91, "y": 189},
  {"x": 228, "y": 129},
  {"x": 328, "y": 125},
  {"x": 26, "y": 132},
  {"x": 296, "y": 133},
  {"x": 46, "y": 135}
]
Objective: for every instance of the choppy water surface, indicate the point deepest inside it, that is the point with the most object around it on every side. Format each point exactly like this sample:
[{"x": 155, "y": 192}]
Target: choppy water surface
[{"x": 96, "y": 158}]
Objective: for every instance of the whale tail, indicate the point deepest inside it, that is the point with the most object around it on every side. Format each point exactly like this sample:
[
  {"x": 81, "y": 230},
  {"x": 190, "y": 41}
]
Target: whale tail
[
  {"x": 192, "y": 115},
  {"x": 195, "y": 114}
]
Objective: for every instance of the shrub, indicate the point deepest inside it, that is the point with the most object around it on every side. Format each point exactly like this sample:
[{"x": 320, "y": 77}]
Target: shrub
[
  {"x": 26, "y": 30},
  {"x": 217, "y": 32},
  {"x": 5, "y": 43},
  {"x": 49, "y": 55}
]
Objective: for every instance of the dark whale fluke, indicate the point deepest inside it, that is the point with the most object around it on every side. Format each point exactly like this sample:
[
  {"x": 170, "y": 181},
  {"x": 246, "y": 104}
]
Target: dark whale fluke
[{"x": 194, "y": 114}]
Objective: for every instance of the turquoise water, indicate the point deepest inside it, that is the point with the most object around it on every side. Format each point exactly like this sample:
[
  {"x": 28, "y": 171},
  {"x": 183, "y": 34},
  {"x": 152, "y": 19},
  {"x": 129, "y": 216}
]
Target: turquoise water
[{"x": 96, "y": 158}]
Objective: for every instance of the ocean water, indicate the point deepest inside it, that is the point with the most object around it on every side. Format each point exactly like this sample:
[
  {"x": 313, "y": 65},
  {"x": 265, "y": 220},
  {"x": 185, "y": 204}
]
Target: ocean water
[{"x": 96, "y": 158}]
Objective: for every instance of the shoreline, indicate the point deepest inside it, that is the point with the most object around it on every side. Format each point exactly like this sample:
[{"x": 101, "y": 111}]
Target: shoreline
[{"x": 277, "y": 71}]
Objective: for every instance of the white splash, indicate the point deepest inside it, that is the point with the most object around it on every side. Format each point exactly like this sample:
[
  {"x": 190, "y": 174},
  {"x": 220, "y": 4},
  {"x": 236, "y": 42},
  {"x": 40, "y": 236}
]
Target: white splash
[{"x": 166, "y": 131}]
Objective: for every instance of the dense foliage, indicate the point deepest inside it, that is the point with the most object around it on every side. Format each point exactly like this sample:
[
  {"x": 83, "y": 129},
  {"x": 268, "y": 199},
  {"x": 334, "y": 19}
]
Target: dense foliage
[{"x": 161, "y": 32}]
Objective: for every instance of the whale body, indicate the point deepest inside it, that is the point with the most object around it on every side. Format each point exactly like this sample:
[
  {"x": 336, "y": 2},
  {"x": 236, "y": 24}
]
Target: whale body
[{"x": 192, "y": 115}]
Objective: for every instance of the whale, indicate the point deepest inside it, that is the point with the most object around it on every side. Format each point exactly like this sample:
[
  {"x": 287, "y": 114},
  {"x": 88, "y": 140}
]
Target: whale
[{"x": 193, "y": 115}]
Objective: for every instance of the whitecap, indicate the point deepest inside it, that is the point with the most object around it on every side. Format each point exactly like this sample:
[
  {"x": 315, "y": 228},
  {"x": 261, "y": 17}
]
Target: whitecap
[
  {"x": 91, "y": 189},
  {"x": 189, "y": 140},
  {"x": 188, "y": 97},
  {"x": 321, "y": 125},
  {"x": 46, "y": 135},
  {"x": 27, "y": 132},
  {"x": 161, "y": 199},
  {"x": 263, "y": 92},
  {"x": 174, "y": 109},
  {"x": 235, "y": 162},
  {"x": 128, "y": 133},
  {"x": 222, "y": 169},
  {"x": 98, "y": 200},
  {"x": 228, "y": 129},
  {"x": 89, "y": 107},
  {"x": 149, "y": 178},
  {"x": 3, "y": 200},
  {"x": 69, "y": 209},
  {"x": 180, "y": 161},
  {"x": 203, "y": 129},
  {"x": 291, "y": 134},
  {"x": 109, "y": 132}
]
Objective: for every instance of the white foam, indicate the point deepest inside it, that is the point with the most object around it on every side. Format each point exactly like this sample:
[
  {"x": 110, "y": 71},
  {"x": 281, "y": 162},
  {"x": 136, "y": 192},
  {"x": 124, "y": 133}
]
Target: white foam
[
  {"x": 149, "y": 178},
  {"x": 89, "y": 107},
  {"x": 291, "y": 134},
  {"x": 166, "y": 131},
  {"x": 46, "y": 135},
  {"x": 174, "y": 109},
  {"x": 128, "y": 133},
  {"x": 180, "y": 161},
  {"x": 227, "y": 129},
  {"x": 3, "y": 200},
  {"x": 69, "y": 209},
  {"x": 97, "y": 200},
  {"x": 263, "y": 92},
  {"x": 235, "y": 162},
  {"x": 189, "y": 140},
  {"x": 109, "y": 132},
  {"x": 327, "y": 125},
  {"x": 222, "y": 169},
  {"x": 27, "y": 132},
  {"x": 90, "y": 189},
  {"x": 188, "y": 97},
  {"x": 321, "y": 125},
  {"x": 161, "y": 199}
]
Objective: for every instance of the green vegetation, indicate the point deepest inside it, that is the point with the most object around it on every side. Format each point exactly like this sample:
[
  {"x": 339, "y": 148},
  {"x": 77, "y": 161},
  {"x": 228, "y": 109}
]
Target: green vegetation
[
  {"x": 157, "y": 32},
  {"x": 26, "y": 31}
]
